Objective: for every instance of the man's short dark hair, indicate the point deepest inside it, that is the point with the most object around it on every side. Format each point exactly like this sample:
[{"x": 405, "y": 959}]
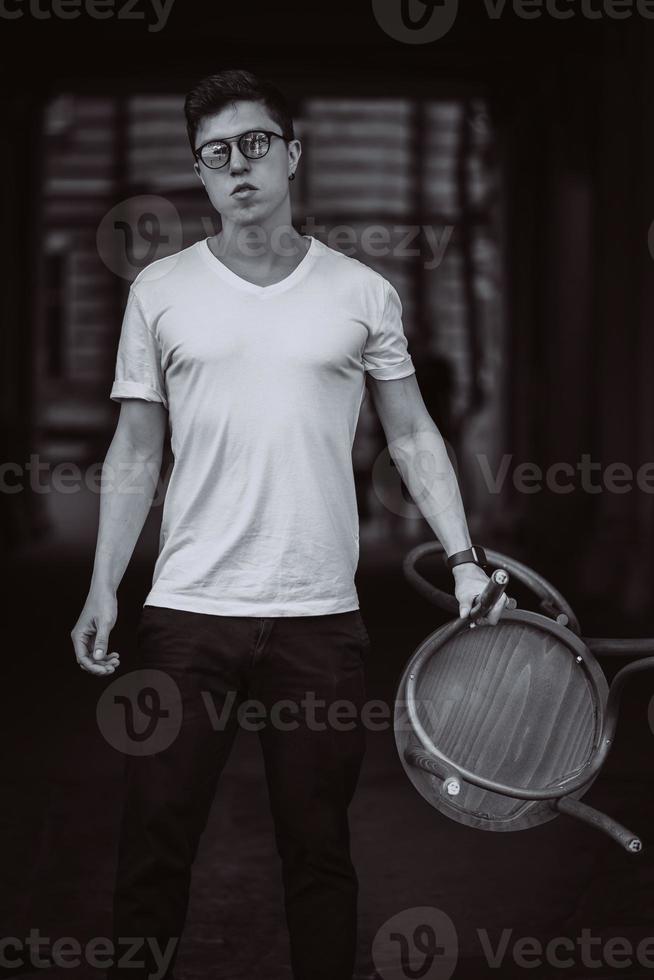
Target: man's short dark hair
[{"x": 215, "y": 92}]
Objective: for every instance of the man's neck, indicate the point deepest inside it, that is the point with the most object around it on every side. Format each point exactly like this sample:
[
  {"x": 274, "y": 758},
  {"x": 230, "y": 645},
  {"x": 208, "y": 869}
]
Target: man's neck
[
  {"x": 261, "y": 246},
  {"x": 261, "y": 260}
]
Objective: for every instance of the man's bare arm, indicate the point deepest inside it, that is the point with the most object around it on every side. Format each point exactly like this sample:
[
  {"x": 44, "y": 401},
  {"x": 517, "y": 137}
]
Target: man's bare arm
[
  {"x": 129, "y": 479},
  {"x": 420, "y": 454}
]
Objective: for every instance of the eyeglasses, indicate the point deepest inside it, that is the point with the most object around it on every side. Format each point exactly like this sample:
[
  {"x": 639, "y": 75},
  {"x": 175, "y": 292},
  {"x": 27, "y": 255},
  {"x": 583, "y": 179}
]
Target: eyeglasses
[{"x": 254, "y": 144}]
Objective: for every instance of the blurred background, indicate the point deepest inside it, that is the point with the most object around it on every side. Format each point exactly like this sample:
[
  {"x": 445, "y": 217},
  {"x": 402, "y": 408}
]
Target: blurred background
[{"x": 511, "y": 165}]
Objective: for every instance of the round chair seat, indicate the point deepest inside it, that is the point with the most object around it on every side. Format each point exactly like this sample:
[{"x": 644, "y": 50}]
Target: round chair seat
[{"x": 520, "y": 703}]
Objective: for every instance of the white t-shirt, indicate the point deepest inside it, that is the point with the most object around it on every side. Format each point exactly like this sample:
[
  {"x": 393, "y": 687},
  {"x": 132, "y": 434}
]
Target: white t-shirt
[{"x": 263, "y": 386}]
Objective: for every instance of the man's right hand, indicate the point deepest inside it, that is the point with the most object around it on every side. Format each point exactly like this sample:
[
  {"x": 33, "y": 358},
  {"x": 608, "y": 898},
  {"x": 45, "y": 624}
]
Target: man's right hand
[{"x": 90, "y": 634}]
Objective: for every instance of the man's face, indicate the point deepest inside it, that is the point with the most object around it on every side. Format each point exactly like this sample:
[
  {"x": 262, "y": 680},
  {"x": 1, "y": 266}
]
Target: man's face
[{"x": 268, "y": 175}]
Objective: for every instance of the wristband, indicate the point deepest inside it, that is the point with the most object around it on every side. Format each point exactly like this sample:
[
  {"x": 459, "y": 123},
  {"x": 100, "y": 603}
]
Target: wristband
[{"x": 475, "y": 554}]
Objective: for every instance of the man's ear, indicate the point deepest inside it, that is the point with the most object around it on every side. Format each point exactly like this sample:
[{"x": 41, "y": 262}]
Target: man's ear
[
  {"x": 295, "y": 148},
  {"x": 196, "y": 167}
]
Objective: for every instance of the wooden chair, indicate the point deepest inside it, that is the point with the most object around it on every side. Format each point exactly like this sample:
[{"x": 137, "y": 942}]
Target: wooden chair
[{"x": 504, "y": 727}]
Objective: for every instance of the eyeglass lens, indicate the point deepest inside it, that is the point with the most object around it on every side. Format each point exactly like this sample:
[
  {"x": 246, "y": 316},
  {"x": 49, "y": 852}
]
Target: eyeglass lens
[{"x": 252, "y": 145}]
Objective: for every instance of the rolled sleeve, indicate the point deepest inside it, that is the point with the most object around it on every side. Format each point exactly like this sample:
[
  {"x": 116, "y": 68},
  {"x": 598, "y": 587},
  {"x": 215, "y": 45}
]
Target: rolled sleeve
[
  {"x": 386, "y": 355},
  {"x": 138, "y": 361}
]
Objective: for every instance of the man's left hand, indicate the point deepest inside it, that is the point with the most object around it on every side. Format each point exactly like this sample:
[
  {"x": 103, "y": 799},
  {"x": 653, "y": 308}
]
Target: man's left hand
[{"x": 471, "y": 580}]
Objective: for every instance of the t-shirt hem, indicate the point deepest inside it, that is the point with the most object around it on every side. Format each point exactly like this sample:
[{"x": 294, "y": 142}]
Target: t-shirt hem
[
  {"x": 245, "y": 607},
  {"x": 135, "y": 389},
  {"x": 392, "y": 373}
]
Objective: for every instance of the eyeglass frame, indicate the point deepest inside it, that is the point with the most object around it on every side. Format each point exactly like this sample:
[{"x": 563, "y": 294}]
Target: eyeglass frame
[{"x": 234, "y": 139}]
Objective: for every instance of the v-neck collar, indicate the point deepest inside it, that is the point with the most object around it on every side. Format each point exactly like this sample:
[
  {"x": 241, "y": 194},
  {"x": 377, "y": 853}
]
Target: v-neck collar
[{"x": 253, "y": 288}]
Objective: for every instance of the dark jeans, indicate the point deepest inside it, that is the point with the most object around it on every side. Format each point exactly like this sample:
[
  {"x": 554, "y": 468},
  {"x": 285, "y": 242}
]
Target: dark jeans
[{"x": 311, "y": 763}]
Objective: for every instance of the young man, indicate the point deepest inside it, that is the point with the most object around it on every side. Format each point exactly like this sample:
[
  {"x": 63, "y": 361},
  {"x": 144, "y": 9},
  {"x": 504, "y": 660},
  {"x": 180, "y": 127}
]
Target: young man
[{"x": 254, "y": 346}]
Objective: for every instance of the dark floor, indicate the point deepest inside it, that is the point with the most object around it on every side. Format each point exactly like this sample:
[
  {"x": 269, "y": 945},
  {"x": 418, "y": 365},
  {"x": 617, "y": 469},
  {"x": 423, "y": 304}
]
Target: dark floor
[{"x": 63, "y": 791}]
